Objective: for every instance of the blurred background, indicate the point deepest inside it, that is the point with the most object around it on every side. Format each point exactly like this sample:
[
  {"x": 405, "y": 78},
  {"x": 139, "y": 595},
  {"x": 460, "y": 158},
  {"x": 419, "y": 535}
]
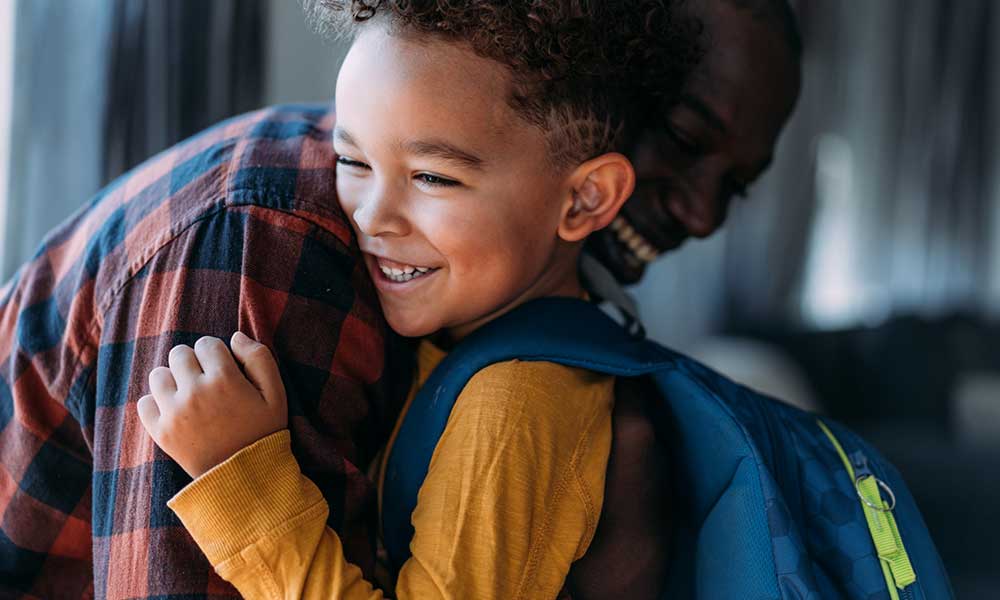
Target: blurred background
[{"x": 861, "y": 278}]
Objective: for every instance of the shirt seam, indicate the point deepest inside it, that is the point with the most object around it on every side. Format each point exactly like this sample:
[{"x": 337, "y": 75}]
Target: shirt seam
[{"x": 564, "y": 482}]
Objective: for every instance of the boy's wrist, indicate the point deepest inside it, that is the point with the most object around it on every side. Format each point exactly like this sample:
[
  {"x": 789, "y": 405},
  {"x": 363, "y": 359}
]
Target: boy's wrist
[
  {"x": 200, "y": 464},
  {"x": 242, "y": 499}
]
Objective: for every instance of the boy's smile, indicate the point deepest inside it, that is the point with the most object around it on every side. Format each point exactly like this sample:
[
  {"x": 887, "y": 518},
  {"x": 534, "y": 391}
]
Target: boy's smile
[
  {"x": 393, "y": 272},
  {"x": 452, "y": 196},
  {"x": 400, "y": 272}
]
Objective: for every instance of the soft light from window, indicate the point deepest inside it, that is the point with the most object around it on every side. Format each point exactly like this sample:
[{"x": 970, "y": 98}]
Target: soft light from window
[
  {"x": 6, "y": 94},
  {"x": 834, "y": 295}
]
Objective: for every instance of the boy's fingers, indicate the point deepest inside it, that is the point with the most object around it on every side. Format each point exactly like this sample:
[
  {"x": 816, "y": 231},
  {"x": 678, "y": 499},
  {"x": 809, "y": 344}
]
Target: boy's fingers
[
  {"x": 161, "y": 382},
  {"x": 259, "y": 365},
  {"x": 149, "y": 412},
  {"x": 184, "y": 365},
  {"x": 213, "y": 355}
]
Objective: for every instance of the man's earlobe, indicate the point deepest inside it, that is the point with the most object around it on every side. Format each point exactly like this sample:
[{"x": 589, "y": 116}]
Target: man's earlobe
[{"x": 599, "y": 188}]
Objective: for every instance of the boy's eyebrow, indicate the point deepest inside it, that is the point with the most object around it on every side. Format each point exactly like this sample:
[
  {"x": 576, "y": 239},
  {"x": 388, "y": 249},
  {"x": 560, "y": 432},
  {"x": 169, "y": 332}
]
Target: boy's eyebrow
[
  {"x": 431, "y": 147},
  {"x": 445, "y": 151}
]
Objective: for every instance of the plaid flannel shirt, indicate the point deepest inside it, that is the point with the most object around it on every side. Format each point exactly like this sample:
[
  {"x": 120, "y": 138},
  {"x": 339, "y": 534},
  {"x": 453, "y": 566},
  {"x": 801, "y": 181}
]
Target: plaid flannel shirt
[{"x": 237, "y": 228}]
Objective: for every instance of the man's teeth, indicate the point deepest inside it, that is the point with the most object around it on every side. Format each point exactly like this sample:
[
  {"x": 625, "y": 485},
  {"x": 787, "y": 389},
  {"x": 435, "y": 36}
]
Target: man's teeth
[
  {"x": 405, "y": 274},
  {"x": 631, "y": 239}
]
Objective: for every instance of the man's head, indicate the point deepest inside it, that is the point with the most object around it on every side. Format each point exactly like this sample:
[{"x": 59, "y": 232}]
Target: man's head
[
  {"x": 716, "y": 140},
  {"x": 479, "y": 143}
]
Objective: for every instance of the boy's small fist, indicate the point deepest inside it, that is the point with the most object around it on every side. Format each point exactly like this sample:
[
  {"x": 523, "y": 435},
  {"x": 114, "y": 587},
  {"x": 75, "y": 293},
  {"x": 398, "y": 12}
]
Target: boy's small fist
[{"x": 202, "y": 409}]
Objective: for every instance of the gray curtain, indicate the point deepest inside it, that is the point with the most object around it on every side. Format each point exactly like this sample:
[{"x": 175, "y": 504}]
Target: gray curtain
[
  {"x": 101, "y": 85},
  {"x": 177, "y": 67}
]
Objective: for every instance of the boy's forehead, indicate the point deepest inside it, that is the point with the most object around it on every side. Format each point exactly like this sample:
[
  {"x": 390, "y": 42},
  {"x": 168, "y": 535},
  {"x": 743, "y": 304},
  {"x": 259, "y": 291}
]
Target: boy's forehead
[{"x": 425, "y": 86}]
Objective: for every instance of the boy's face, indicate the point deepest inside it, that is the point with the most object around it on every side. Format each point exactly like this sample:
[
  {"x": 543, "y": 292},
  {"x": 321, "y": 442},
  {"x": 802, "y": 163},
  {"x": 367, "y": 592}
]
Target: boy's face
[{"x": 451, "y": 194}]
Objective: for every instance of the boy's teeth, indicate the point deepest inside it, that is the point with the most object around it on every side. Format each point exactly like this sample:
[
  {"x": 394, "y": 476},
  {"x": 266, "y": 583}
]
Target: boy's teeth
[{"x": 405, "y": 274}]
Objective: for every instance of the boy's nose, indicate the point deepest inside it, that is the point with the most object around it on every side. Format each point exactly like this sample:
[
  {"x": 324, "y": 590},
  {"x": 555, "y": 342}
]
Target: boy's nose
[{"x": 380, "y": 215}]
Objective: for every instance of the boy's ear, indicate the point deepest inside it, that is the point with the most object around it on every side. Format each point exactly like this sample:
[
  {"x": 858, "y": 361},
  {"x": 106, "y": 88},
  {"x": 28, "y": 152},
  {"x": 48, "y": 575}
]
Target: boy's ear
[{"x": 599, "y": 187}]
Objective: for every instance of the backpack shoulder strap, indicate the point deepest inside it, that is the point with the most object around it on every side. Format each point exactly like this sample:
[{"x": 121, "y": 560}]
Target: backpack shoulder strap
[{"x": 567, "y": 331}]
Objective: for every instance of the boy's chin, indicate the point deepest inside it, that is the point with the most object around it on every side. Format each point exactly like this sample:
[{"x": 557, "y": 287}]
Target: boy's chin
[{"x": 410, "y": 325}]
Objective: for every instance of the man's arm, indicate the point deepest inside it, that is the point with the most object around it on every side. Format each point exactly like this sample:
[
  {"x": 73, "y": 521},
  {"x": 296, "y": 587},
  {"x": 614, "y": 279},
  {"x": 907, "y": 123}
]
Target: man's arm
[
  {"x": 45, "y": 434},
  {"x": 284, "y": 280},
  {"x": 629, "y": 556}
]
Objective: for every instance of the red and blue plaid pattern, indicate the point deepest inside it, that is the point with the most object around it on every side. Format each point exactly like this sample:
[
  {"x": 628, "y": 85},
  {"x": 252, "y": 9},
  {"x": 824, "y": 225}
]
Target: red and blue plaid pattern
[{"x": 237, "y": 228}]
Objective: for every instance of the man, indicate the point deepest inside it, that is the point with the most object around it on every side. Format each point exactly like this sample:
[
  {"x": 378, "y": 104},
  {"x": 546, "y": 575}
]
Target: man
[{"x": 715, "y": 142}]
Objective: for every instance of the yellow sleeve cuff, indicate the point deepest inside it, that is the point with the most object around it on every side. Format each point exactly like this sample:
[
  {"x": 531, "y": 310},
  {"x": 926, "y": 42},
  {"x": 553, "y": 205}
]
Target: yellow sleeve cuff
[{"x": 244, "y": 499}]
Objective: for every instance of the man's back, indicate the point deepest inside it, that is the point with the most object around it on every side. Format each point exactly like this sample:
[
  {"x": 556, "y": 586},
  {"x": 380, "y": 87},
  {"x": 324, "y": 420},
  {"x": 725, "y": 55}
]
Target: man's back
[{"x": 238, "y": 228}]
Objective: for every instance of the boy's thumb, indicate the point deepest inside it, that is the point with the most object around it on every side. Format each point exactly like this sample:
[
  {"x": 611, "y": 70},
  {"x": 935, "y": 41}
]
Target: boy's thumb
[{"x": 259, "y": 365}]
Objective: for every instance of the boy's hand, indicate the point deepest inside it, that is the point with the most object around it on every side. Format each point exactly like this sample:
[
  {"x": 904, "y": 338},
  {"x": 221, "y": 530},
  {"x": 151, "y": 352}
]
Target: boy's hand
[{"x": 203, "y": 409}]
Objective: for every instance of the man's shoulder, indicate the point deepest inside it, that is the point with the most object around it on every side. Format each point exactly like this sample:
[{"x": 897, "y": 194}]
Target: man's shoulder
[
  {"x": 278, "y": 157},
  {"x": 275, "y": 159},
  {"x": 276, "y": 164}
]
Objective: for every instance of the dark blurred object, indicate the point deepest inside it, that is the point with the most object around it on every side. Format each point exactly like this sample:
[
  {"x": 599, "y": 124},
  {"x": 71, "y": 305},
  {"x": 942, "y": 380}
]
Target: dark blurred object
[
  {"x": 175, "y": 68},
  {"x": 905, "y": 370}
]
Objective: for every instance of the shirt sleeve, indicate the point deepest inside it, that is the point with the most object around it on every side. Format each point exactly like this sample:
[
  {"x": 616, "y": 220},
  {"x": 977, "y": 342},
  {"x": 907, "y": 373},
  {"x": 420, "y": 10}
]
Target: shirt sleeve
[
  {"x": 512, "y": 497},
  {"x": 46, "y": 439}
]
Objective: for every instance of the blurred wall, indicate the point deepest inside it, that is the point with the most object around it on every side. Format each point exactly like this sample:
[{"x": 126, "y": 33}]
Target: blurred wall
[
  {"x": 301, "y": 65},
  {"x": 56, "y": 119},
  {"x": 6, "y": 93}
]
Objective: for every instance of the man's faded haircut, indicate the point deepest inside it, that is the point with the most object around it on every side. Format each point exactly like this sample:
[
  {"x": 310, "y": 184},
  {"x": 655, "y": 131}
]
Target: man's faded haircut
[{"x": 589, "y": 73}]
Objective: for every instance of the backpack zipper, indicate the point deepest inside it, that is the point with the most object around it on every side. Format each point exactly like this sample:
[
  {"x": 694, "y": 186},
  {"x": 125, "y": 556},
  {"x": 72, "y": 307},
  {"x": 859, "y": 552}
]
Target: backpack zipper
[{"x": 896, "y": 566}]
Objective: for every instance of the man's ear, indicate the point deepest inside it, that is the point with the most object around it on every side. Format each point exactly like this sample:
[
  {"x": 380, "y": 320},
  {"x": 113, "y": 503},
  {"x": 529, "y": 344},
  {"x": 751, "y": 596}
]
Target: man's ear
[{"x": 599, "y": 187}]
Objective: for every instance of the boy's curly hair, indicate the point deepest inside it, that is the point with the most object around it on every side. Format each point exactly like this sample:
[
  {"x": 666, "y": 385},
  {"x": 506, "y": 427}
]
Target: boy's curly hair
[{"x": 590, "y": 73}]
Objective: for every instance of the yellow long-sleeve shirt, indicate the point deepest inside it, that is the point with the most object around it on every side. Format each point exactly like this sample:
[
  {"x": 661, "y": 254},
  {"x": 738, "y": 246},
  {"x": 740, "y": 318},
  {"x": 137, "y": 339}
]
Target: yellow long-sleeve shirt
[{"x": 511, "y": 499}]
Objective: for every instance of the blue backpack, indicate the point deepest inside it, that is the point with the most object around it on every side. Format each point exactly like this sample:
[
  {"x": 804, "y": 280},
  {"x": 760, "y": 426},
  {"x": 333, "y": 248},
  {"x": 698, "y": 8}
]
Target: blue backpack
[{"x": 772, "y": 502}]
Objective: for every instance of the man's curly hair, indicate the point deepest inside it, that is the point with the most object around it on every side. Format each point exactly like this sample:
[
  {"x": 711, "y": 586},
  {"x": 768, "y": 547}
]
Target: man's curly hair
[{"x": 590, "y": 73}]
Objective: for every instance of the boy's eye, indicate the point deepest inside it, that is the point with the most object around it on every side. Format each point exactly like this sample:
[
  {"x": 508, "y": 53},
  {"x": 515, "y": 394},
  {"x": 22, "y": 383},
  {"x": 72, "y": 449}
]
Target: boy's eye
[
  {"x": 436, "y": 180},
  {"x": 347, "y": 162}
]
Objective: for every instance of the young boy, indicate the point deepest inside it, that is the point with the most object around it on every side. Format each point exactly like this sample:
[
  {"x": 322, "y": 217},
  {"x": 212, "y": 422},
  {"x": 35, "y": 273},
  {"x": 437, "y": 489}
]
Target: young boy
[{"x": 478, "y": 146}]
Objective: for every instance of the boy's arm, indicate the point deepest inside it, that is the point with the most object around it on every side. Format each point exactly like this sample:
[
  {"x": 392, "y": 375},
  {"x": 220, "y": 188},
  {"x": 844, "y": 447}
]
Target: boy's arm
[
  {"x": 260, "y": 522},
  {"x": 262, "y": 525},
  {"x": 511, "y": 498},
  {"x": 515, "y": 484}
]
